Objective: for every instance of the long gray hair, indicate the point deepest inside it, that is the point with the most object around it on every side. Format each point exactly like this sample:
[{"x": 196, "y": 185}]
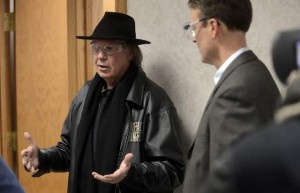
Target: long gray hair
[{"x": 137, "y": 53}]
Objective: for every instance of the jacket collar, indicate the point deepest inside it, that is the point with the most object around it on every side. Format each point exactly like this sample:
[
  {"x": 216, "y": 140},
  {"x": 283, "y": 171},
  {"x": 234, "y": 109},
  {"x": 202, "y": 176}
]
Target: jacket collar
[
  {"x": 242, "y": 59},
  {"x": 136, "y": 92}
]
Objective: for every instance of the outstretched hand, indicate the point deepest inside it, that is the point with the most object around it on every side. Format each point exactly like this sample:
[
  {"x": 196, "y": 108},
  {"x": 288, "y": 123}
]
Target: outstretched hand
[
  {"x": 30, "y": 154},
  {"x": 119, "y": 174}
]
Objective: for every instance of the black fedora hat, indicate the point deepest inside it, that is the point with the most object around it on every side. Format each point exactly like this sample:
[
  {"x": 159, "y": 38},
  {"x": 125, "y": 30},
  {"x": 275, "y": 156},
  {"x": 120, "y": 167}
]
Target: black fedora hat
[{"x": 115, "y": 26}]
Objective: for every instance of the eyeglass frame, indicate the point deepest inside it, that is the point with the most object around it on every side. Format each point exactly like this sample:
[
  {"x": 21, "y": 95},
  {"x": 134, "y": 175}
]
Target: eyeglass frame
[
  {"x": 187, "y": 25},
  {"x": 109, "y": 50}
]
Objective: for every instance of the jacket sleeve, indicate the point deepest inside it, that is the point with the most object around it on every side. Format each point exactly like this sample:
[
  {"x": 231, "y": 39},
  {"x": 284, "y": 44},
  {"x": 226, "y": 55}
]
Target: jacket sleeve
[
  {"x": 221, "y": 177},
  {"x": 233, "y": 114},
  {"x": 8, "y": 180},
  {"x": 163, "y": 168}
]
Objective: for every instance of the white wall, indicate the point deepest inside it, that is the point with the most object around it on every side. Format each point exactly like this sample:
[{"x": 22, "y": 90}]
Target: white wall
[{"x": 174, "y": 62}]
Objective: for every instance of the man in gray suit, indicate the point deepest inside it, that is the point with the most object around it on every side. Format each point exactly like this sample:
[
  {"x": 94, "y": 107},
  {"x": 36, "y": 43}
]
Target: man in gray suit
[
  {"x": 267, "y": 161},
  {"x": 245, "y": 94}
]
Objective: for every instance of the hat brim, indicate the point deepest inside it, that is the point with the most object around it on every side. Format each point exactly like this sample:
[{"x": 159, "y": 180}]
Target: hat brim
[{"x": 133, "y": 41}]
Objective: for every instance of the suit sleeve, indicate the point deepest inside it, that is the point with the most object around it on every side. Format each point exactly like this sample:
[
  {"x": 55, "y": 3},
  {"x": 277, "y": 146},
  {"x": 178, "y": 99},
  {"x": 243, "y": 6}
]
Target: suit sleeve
[
  {"x": 234, "y": 114},
  {"x": 221, "y": 177}
]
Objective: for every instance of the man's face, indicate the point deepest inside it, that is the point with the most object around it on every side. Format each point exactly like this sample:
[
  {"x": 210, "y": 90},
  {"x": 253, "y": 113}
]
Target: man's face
[
  {"x": 112, "y": 59},
  {"x": 201, "y": 36}
]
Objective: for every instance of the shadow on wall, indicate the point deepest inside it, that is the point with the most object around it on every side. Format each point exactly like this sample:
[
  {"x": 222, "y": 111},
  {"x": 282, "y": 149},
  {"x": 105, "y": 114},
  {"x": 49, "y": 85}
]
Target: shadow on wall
[{"x": 165, "y": 75}]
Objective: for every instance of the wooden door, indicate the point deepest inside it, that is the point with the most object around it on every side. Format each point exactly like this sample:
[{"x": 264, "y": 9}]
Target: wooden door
[
  {"x": 42, "y": 82},
  {"x": 7, "y": 146}
]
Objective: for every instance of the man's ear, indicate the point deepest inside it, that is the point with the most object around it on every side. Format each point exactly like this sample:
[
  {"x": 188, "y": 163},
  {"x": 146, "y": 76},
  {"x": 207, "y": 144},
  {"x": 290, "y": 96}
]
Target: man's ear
[{"x": 214, "y": 26}]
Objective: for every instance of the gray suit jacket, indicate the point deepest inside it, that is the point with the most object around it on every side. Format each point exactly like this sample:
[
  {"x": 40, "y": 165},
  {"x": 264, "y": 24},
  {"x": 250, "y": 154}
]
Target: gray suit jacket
[{"x": 244, "y": 99}]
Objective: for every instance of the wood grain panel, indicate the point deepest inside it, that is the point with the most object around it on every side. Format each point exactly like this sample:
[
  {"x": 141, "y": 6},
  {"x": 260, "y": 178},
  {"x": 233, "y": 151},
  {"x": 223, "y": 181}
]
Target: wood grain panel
[
  {"x": 41, "y": 81},
  {"x": 71, "y": 50},
  {"x": 81, "y": 45},
  {"x": 121, "y": 6},
  {"x": 5, "y": 100}
]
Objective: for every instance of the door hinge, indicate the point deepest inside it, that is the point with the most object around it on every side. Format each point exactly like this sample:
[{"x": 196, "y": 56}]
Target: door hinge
[
  {"x": 12, "y": 140},
  {"x": 9, "y": 21}
]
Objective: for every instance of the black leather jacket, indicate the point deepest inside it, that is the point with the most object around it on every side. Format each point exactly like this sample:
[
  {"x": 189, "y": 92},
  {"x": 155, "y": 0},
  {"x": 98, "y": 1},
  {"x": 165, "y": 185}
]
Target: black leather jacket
[{"x": 150, "y": 134}]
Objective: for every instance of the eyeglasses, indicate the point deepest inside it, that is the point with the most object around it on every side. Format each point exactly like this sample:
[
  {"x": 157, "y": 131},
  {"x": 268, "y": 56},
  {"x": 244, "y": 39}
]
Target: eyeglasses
[
  {"x": 108, "y": 50},
  {"x": 189, "y": 30}
]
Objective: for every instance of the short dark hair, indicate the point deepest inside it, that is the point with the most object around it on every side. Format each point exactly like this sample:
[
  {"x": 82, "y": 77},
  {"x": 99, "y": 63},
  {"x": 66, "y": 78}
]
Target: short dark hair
[{"x": 236, "y": 14}]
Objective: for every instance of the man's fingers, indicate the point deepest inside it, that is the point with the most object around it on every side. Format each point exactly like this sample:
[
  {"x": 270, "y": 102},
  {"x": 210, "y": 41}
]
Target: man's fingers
[
  {"x": 32, "y": 169},
  {"x": 24, "y": 160},
  {"x": 115, "y": 175},
  {"x": 128, "y": 158},
  {"x": 105, "y": 178},
  {"x": 99, "y": 177},
  {"x": 29, "y": 139},
  {"x": 119, "y": 174},
  {"x": 28, "y": 165},
  {"x": 24, "y": 152}
]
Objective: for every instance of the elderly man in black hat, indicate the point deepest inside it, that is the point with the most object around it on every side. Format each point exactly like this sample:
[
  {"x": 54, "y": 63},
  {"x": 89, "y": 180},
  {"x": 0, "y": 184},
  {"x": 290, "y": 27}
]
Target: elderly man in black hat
[{"x": 121, "y": 131}]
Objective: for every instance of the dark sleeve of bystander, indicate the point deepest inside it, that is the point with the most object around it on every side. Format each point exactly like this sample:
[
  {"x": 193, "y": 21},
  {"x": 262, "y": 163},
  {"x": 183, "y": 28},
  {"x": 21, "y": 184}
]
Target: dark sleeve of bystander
[{"x": 8, "y": 180}]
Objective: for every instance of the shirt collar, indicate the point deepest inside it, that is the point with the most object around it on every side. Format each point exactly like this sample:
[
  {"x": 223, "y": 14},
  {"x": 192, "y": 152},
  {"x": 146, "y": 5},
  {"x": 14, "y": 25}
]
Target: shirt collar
[{"x": 225, "y": 65}]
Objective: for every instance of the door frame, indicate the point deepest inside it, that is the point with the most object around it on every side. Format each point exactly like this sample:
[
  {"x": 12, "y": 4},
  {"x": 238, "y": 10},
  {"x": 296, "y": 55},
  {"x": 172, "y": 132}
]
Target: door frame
[{"x": 7, "y": 109}]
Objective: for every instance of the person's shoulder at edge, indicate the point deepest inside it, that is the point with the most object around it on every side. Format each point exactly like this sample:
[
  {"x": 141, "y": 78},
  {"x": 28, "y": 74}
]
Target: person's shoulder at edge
[{"x": 8, "y": 181}]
